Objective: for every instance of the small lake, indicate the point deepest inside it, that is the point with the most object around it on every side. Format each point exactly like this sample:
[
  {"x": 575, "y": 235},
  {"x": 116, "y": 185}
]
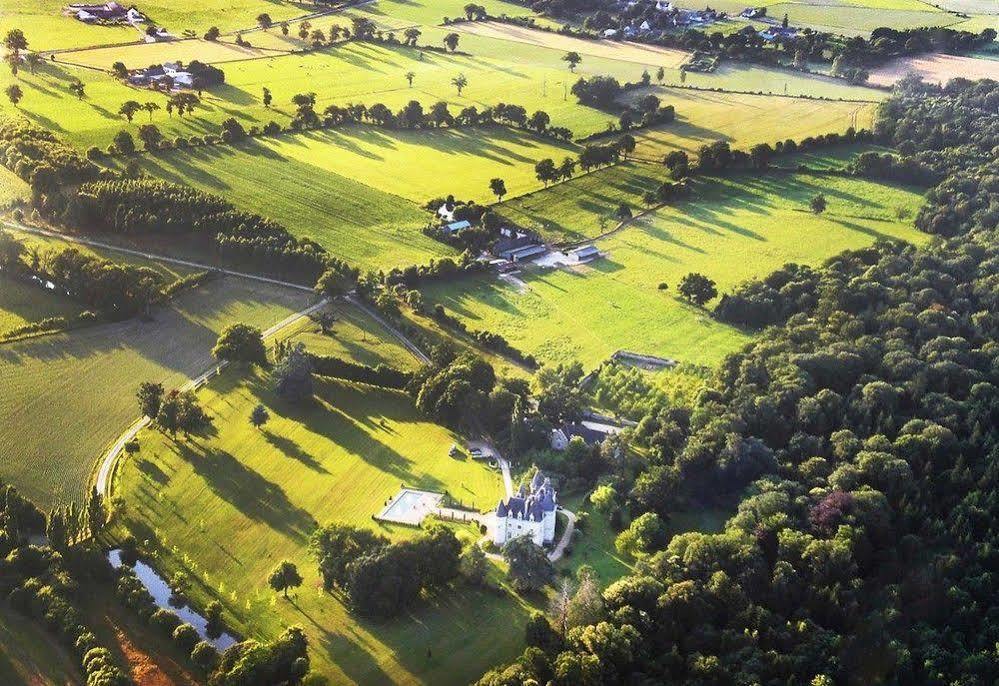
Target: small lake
[{"x": 160, "y": 590}]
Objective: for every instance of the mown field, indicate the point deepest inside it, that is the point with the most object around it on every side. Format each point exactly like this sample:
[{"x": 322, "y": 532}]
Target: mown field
[
  {"x": 733, "y": 229},
  {"x": 229, "y": 505},
  {"x": 64, "y": 397},
  {"x": 21, "y": 303},
  {"x": 12, "y": 188}
]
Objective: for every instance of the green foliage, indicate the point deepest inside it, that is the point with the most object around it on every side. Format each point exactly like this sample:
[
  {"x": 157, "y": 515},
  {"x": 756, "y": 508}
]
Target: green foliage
[
  {"x": 529, "y": 568},
  {"x": 241, "y": 343}
]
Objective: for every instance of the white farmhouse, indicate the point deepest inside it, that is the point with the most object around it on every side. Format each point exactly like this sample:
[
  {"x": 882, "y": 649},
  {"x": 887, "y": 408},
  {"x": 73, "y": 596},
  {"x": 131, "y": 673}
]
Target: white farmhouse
[{"x": 527, "y": 514}]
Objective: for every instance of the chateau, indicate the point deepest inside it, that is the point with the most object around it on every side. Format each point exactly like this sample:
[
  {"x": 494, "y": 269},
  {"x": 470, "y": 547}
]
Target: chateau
[{"x": 527, "y": 514}]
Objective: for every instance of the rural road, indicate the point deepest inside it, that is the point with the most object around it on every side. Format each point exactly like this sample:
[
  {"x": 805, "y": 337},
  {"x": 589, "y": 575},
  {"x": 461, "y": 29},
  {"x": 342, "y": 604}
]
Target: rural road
[{"x": 102, "y": 482}]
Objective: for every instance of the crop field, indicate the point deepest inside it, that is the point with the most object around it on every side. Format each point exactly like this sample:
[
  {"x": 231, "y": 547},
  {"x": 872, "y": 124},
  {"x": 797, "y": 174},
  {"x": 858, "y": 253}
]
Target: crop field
[
  {"x": 432, "y": 12},
  {"x": 256, "y": 495},
  {"x": 756, "y": 79},
  {"x": 936, "y": 68},
  {"x": 744, "y": 120},
  {"x": 734, "y": 229},
  {"x": 622, "y": 51},
  {"x": 56, "y": 430},
  {"x": 859, "y": 19}
]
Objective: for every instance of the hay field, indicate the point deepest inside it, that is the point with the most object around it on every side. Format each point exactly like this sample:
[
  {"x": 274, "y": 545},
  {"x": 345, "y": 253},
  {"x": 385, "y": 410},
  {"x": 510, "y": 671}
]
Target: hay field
[
  {"x": 936, "y": 68},
  {"x": 622, "y": 51},
  {"x": 733, "y": 229}
]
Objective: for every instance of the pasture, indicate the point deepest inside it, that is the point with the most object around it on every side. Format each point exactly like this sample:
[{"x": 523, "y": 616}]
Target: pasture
[
  {"x": 29, "y": 656},
  {"x": 936, "y": 68},
  {"x": 353, "y": 336},
  {"x": 228, "y": 505},
  {"x": 65, "y": 397},
  {"x": 12, "y": 188},
  {"x": 365, "y": 184},
  {"x": 743, "y": 120},
  {"x": 143, "y": 54},
  {"x": 22, "y": 303},
  {"x": 47, "y": 28},
  {"x": 733, "y": 229}
]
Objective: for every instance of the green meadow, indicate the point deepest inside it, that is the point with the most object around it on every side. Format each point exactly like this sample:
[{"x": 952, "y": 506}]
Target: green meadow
[
  {"x": 733, "y": 229},
  {"x": 228, "y": 505},
  {"x": 12, "y": 188},
  {"x": 48, "y": 29},
  {"x": 76, "y": 390},
  {"x": 358, "y": 190},
  {"x": 31, "y": 657},
  {"x": 22, "y": 303}
]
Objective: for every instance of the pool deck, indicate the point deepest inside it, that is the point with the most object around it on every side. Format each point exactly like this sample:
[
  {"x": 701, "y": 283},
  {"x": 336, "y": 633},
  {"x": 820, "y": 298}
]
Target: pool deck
[{"x": 410, "y": 506}]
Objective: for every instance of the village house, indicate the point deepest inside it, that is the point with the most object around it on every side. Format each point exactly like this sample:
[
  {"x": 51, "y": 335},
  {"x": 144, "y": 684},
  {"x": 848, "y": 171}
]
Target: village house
[
  {"x": 529, "y": 513},
  {"x": 585, "y": 253}
]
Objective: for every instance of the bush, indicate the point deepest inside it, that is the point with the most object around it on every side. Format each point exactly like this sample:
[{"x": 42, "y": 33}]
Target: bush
[
  {"x": 164, "y": 621},
  {"x": 205, "y": 656},
  {"x": 186, "y": 637}
]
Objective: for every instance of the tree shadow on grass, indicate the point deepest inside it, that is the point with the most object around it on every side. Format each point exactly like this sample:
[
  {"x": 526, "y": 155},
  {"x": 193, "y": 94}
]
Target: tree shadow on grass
[
  {"x": 291, "y": 449},
  {"x": 246, "y": 490}
]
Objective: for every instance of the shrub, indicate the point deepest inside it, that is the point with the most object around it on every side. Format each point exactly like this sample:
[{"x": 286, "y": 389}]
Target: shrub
[
  {"x": 186, "y": 637},
  {"x": 164, "y": 621},
  {"x": 205, "y": 656}
]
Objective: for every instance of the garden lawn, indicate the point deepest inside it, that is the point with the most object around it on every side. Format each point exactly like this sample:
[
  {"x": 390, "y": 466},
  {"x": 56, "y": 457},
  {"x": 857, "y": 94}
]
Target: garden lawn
[
  {"x": 228, "y": 506},
  {"x": 744, "y": 120},
  {"x": 734, "y": 229},
  {"x": 65, "y": 397}
]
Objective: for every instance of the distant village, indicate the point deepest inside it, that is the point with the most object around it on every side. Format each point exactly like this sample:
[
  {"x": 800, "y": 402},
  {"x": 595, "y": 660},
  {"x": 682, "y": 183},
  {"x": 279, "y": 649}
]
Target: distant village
[{"x": 668, "y": 17}]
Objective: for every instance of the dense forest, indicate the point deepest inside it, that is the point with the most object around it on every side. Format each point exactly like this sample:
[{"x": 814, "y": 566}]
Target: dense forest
[{"x": 857, "y": 441}]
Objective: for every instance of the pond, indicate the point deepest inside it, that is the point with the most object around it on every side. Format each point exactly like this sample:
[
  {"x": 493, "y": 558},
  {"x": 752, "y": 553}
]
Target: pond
[{"x": 160, "y": 590}]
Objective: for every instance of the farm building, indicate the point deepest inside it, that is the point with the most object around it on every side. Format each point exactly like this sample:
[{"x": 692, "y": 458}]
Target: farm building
[
  {"x": 776, "y": 33},
  {"x": 529, "y": 513},
  {"x": 108, "y": 13},
  {"x": 518, "y": 247},
  {"x": 591, "y": 433},
  {"x": 456, "y": 227},
  {"x": 168, "y": 72},
  {"x": 585, "y": 253}
]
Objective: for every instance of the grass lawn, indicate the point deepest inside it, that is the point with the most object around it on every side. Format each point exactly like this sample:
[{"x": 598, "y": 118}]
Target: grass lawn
[
  {"x": 229, "y": 505},
  {"x": 744, "y": 120},
  {"x": 734, "y": 228},
  {"x": 64, "y": 397},
  {"x": 31, "y": 657},
  {"x": 354, "y": 336}
]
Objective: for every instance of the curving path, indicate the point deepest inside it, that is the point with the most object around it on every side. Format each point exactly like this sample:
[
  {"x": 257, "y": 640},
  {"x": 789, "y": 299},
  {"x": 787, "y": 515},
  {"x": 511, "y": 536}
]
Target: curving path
[{"x": 103, "y": 480}]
